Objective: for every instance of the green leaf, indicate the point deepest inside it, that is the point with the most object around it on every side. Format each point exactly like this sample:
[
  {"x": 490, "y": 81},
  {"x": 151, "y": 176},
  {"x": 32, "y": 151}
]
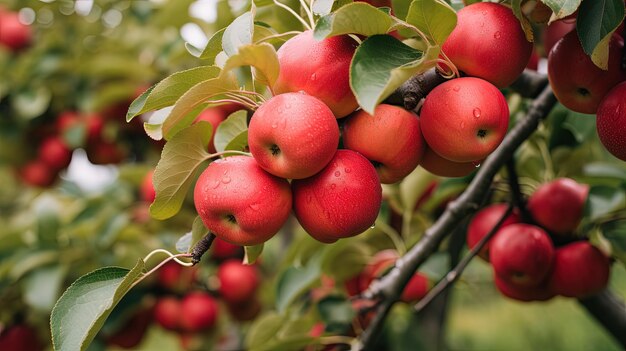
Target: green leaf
[
  {"x": 615, "y": 233},
  {"x": 322, "y": 7},
  {"x": 232, "y": 134},
  {"x": 295, "y": 281},
  {"x": 336, "y": 312},
  {"x": 561, "y": 8},
  {"x": 239, "y": 33},
  {"x": 604, "y": 200},
  {"x": 434, "y": 18},
  {"x": 252, "y": 253},
  {"x": 198, "y": 231},
  {"x": 174, "y": 174},
  {"x": 32, "y": 103},
  {"x": 381, "y": 64},
  {"x": 344, "y": 259},
  {"x": 213, "y": 46},
  {"x": 84, "y": 306},
  {"x": 169, "y": 90},
  {"x": 581, "y": 125},
  {"x": 525, "y": 23},
  {"x": 42, "y": 287},
  {"x": 596, "y": 22},
  {"x": 183, "y": 244},
  {"x": 357, "y": 18},
  {"x": 264, "y": 330},
  {"x": 260, "y": 56}
]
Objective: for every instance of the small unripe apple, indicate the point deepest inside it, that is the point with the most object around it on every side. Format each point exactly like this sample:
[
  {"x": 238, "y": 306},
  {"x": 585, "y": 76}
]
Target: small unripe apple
[
  {"x": 37, "y": 173},
  {"x": 439, "y": 166},
  {"x": 199, "y": 311},
  {"x": 511, "y": 290},
  {"x": 342, "y": 200},
  {"x": 484, "y": 221},
  {"x": 54, "y": 152},
  {"x": 293, "y": 135},
  {"x": 238, "y": 282},
  {"x": 580, "y": 270},
  {"x": 576, "y": 81},
  {"x": 611, "y": 121},
  {"x": 174, "y": 277},
  {"x": 558, "y": 205},
  {"x": 320, "y": 68},
  {"x": 488, "y": 42},
  {"x": 14, "y": 34},
  {"x": 391, "y": 139},
  {"x": 464, "y": 119},
  {"x": 241, "y": 203},
  {"x": 221, "y": 250},
  {"x": 521, "y": 254},
  {"x": 167, "y": 312}
]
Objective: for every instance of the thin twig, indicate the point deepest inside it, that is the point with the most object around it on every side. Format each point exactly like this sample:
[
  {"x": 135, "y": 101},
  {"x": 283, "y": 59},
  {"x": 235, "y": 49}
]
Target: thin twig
[{"x": 201, "y": 247}]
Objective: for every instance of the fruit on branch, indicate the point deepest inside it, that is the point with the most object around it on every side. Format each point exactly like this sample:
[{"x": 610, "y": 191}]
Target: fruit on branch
[
  {"x": 216, "y": 115},
  {"x": 611, "y": 121},
  {"x": 94, "y": 124},
  {"x": 37, "y": 173},
  {"x": 580, "y": 270},
  {"x": 514, "y": 291},
  {"x": 102, "y": 152},
  {"x": 554, "y": 32},
  {"x": 558, "y": 205},
  {"x": 293, "y": 135},
  {"x": 55, "y": 153},
  {"x": 238, "y": 282},
  {"x": 20, "y": 337},
  {"x": 221, "y": 250},
  {"x": 464, "y": 119},
  {"x": 488, "y": 42},
  {"x": 167, "y": 312},
  {"x": 146, "y": 189},
  {"x": 199, "y": 311},
  {"x": 391, "y": 139},
  {"x": 174, "y": 277},
  {"x": 320, "y": 68},
  {"x": 380, "y": 264},
  {"x": 576, "y": 81},
  {"x": 521, "y": 254},
  {"x": 241, "y": 203},
  {"x": 482, "y": 223},
  {"x": 67, "y": 120},
  {"x": 14, "y": 34},
  {"x": 342, "y": 200},
  {"x": 416, "y": 288},
  {"x": 439, "y": 166}
]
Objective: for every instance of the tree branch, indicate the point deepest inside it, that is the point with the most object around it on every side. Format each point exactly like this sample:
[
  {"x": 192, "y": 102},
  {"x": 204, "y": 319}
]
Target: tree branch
[
  {"x": 388, "y": 288},
  {"x": 201, "y": 247},
  {"x": 609, "y": 311},
  {"x": 415, "y": 89},
  {"x": 516, "y": 192}
]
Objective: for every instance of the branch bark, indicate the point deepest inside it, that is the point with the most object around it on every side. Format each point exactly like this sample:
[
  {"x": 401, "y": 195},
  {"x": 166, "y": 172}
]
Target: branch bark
[{"x": 610, "y": 311}]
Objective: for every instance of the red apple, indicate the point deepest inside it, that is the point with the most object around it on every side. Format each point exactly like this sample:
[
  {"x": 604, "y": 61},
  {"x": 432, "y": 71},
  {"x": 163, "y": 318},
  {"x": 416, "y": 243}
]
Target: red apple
[
  {"x": 293, "y": 135},
  {"x": 238, "y": 282},
  {"x": 14, "y": 34},
  {"x": 342, "y": 200},
  {"x": 464, "y": 119},
  {"x": 95, "y": 126},
  {"x": 174, "y": 277},
  {"x": 199, "y": 311},
  {"x": 320, "y": 68},
  {"x": 241, "y": 203},
  {"x": 488, "y": 42},
  {"x": 380, "y": 264},
  {"x": 221, "y": 250},
  {"x": 132, "y": 332},
  {"x": 391, "y": 139},
  {"x": 102, "y": 152},
  {"x": 67, "y": 120},
  {"x": 554, "y": 32},
  {"x": 216, "y": 115},
  {"x": 511, "y": 290},
  {"x": 37, "y": 173},
  {"x": 558, "y": 205},
  {"x": 521, "y": 254},
  {"x": 20, "y": 337},
  {"x": 611, "y": 121},
  {"x": 55, "y": 153},
  {"x": 576, "y": 81},
  {"x": 439, "y": 166},
  {"x": 482, "y": 223},
  {"x": 167, "y": 312},
  {"x": 580, "y": 270},
  {"x": 416, "y": 288},
  {"x": 146, "y": 189}
]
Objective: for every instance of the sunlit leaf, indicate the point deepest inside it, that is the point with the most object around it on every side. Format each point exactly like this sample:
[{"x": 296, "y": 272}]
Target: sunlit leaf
[{"x": 232, "y": 134}]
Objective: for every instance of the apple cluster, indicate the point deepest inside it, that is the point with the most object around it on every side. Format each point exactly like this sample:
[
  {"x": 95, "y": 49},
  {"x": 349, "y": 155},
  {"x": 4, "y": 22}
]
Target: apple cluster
[
  {"x": 537, "y": 261},
  {"x": 14, "y": 35}
]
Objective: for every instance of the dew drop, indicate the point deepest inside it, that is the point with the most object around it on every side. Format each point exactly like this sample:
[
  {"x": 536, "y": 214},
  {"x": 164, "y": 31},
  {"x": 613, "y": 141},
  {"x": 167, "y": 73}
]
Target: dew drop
[
  {"x": 254, "y": 207},
  {"x": 333, "y": 186},
  {"x": 337, "y": 173},
  {"x": 484, "y": 13},
  {"x": 373, "y": 226},
  {"x": 462, "y": 125},
  {"x": 274, "y": 125},
  {"x": 348, "y": 170},
  {"x": 314, "y": 76},
  {"x": 216, "y": 184},
  {"x": 497, "y": 35},
  {"x": 476, "y": 164},
  {"x": 456, "y": 88},
  {"x": 226, "y": 180},
  {"x": 476, "y": 112}
]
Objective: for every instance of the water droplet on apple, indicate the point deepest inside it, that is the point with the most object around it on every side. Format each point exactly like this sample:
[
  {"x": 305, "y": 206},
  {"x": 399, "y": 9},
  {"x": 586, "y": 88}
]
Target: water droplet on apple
[
  {"x": 462, "y": 125},
  {"x": 274, "y": 125},
  {"x": 337, "y": 173},
  {"x": 216, "y": 184},
  {"x": 497, "y": 35},
  {"x": 484, "y": 13},
  {"x": 347, "y": 170},
  {"x": 314, "y": 76},
  {"x": 254, "y": 207},
  {"x": 456, "y": 88},
  {"x": 333, "y": 186},
  {"x": 226, "y": 180},
  {"x": 476, "y": 112},
  {"x": 476, "y": 164},
  {"x": 373, "y": 226}
]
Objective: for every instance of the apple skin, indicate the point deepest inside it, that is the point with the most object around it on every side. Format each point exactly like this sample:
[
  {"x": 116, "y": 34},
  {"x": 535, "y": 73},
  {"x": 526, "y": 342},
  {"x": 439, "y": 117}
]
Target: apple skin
[
  {"x": 241, "y": 203},
  {"x": 441, "y": 167},
  {"x": 146, "y": 189},
  {"x": 14, "y": 34},
  {"x": 554, "y": 32},
  {"x": 319, "y": 68},
  {"x": 580, "y": 270},
  {"x": 558, "y": 205},
  {"x": 341, "y": 201},
  {"x": 416, "y": 288},
  {"x": 539, "y": 292},
  {"x": 576, "y": 81},
  {"x": 482, "y": 223},
  {"x": 488, "y": 42},
  {"x": 464, "y": 119},
  {"x": 174, "y": 277},
  {"x": 611, "y": 121},
  {"x": 199, "y": 311},
  {"x": 20, "y": 337},
  {"x": 293, "y": 135},
  {"x": 391, "y": 139},
  {"x": 521, "y": 254},
  {"x": 55, "y": 153},
  {"x": 238, "y": 282},
  {"x": 38, "y": 174},
  {"x": 167, "y": 312}
]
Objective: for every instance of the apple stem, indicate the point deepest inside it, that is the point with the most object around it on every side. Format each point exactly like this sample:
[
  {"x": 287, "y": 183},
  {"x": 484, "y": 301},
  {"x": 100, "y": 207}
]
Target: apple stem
[
  {"x": 228, "y": 152},
  {"x": 293, "y": 13},
  {"x": 454, "y": 72},
  {"x": 336, "y": 339},
  {"x": 309, "y": 12},
  {"x": 393, "y": 235},
  {"x": 201, "y": 247},
  {"x": 170, "y": 258},
  {"x": 280, "y": 35},
  {"x": 516, "y": 193}
]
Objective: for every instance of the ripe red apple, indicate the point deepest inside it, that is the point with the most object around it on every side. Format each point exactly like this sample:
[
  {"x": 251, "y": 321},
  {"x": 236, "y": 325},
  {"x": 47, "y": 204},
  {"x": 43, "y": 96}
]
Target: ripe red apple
[
  {"x": 439, "y": 166},
  {"x": 580, "y": 270},
  {"x": 320, "y": 68},
  {"x": 67, "y": 120},
  {"x": 238, "y": 282},
  {"x": 14, "y": 34},
  {"x": 391, "y": 139},
  {"x": 37, "y": 173},
  {"x": 554, "y": 32},
  {"x": 342, "y": 200},
  {"x": 293, "y": 135},
  {"x": 241, "y": 203},
  {"x": 221, "y": 250},
  {"x": 216, "y": 115},
  {"x": 416, "y": 288},
  {"x": 146, "y": 189},
  {"x": 55, "y": 153},
  {"x": 102, "y": 152},
  {"x": 511, "y": 290},
  {"x": 379, "y": 264},
  {"x": 464, "y": 119},
  {"x": 174, "y": 277},
  {"x": 521, "y": 254},
  {"x": 20, "y": 337},
  {"x": 488, "y": 42},
  {"x": 484, "y": 221},
  {"x": 576, "y": 81},
  {"x": 167, "y": 312},
  {"x": 611, "y": 121},
  {"x": 558, "y": 205},
  {"x": 95, "y": 126},
  {"x": 199, "y": 311}
]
